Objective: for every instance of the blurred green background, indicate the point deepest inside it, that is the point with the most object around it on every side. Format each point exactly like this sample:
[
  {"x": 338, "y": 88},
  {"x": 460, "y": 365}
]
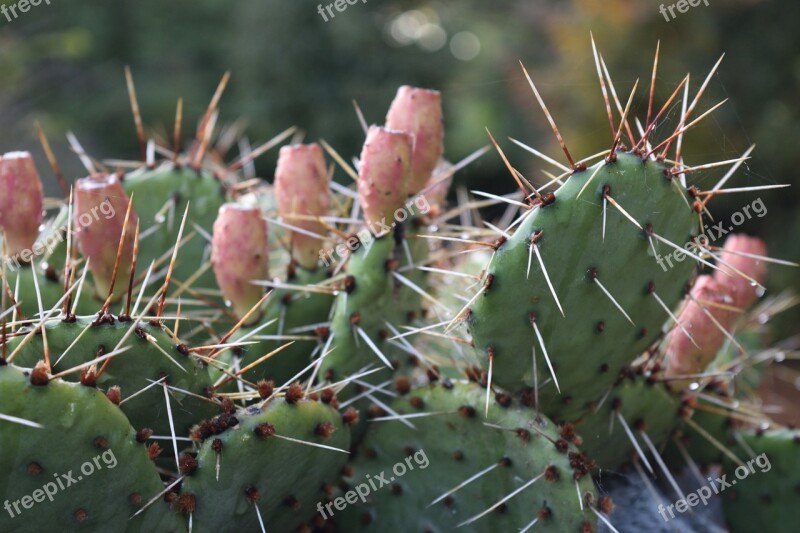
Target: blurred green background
[{"x": 62, "y": 65}]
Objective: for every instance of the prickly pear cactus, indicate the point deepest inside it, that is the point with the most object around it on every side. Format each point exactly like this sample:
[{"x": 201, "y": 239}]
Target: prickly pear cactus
[
  {"x": 264, "y": 466},
  {"x": 27, "y": 240},
  {"x": 70, "y": 456},
  {"x": 148, "y": 360},
  {"x": 358, "y": 326},
  {"x": 583, "y": 281},
  {"x": 291, "y": 325},
  {"x": 225, "y": 325},
  {"x": 763, "y": 485},
  {"x": 635, "y": 419},
  {"x": 397, "y": 161},
  {"x": 177, "y": 186},
  {"x": 373, "y": 301},
  {"x": 504, "y": 471}
]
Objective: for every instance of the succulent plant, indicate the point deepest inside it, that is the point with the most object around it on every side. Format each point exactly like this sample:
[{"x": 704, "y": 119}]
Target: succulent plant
[
  {"x": 259, "y": 357},
  {"x": 522, "y": 469},
  {"x": 58, "y": 429}
]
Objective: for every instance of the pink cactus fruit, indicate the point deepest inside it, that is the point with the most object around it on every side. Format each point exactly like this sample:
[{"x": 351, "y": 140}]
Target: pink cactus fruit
[
  {"x": 723, "y": 297},
  {"x": 21, "y": 201},
  {"x": 736, "y": 254},
  {"x": 302, "y": 190},
  {"x": 384, "y": 174},
  {"x": 240, "y": 255},
  {"x": 708, "y": 297},
  {"x": 100, "y": 208},
  {"x": 419, "y": 112}
]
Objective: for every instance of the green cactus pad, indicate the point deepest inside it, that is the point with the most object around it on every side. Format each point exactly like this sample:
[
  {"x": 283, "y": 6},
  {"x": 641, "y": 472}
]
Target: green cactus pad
[
  {"x": 647, "y": 408},
  {"x": 51, "y": 289},
  {"x": 702, "y": 451},
  {"x": 767, "y": 496},
  {"x": 370, "y": 299},
  {"x": 593, "y": 341},
  {"x": 258, "y": 465},
  {"x": 153, "y": 192},
  {"x": 457, "y": 442},
  {"x": 141, "y": 365},
  {"x": 289, "y": 310},
  {"x": 83, "y": 469}
]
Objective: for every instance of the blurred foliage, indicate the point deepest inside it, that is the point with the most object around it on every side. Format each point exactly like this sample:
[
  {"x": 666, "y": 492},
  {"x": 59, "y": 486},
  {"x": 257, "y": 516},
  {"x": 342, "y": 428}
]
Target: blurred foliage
[{"x": 62, "y": 65}]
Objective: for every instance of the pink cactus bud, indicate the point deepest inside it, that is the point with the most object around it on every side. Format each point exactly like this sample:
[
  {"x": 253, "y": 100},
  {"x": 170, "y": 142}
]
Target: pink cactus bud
[
  {"x": 742, "y": 290},
  {"x": 239, "y": 255},
  {"x": 302, "y": 189},
  {"x": 20, "y": 202},
  {"x": 419, "y": 112},
  {"x": 685, "y": 357},
  {"x": 384, "y": 174},
  {"x": 100, "y": 208}
]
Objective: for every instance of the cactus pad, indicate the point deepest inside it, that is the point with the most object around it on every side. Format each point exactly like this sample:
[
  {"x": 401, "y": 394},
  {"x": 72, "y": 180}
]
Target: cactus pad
[
  {"x": 151, "y": 355},
  {"x": 768, "y": 494},
  {"x": 371, "y": 299},
  {"x": 253, "y": 463},
  {"x": 160, "y": 198},
  {"x": 288, "y": 310},
  {"x": 650, "y": 413},
  {"x": 82, "y": 469},
  {"x": 593, "y": 340},
  {"x": 512, "y": 446}
]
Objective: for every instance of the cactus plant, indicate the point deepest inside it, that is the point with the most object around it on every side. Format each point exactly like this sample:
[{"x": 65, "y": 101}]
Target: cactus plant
[
  {"x": 92, "y": 437},
  {"x": 571, "y": 298},
  {"x": 268, "y": 467},
  {"x": 148, "y": 355},
  {"x": 291, "y": 379},
  {"x": 505, "y": 470},
  {"x": 764, "y": 482}
]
